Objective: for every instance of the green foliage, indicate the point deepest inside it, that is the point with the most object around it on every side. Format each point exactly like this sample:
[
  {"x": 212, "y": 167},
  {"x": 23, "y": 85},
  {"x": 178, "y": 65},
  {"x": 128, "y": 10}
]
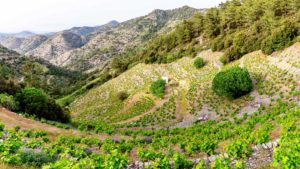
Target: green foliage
[
  {"x": 160, "y": 163},
  {"x": 280, "y": 38},
  {"x": 8, "y": 102},
  {"x": 239, "y": 149},
  {"x": 235, "y": 27},
  {"x": 201, "y": 165},
  {"x": 180, "y": 161},
  {"x": 232, "y": 83},
  {"x": 199, "y": 63},
  {"x": 35, "y": 102},
  {"x": 158, "y": 88},
  {"x": 9, "y": 86},
  {"x": 221, "y": 163},
  {"x": 287, "y": 155},
  {"x": 263, "y": 133},
  {"x": 115, "y": 160}
]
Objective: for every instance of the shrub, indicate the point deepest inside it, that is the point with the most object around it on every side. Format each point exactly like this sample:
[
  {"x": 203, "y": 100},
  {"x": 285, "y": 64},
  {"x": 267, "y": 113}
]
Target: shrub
[
  {"x": 180, "y": 161},
  {"x": 238, "y": 149},
  {"x": 232, "y": 83},
  {"x": 158, "y": 88},
  {"x": 35, "y": 102},
  {"x": 221, "y": 163},
  {"x": 8, "y": 102},
  {"x": 199, "y": 63},
  {"x": 123, "y": 95}
]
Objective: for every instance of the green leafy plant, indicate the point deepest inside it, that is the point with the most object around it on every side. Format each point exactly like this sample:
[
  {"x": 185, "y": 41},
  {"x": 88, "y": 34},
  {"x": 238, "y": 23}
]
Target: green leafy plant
[
  {"x": 199, "y": 63},
  {"x": 238, "y": 149},
  {"x": 158, "y": 88},
  {"x": 232, "y": 83}
]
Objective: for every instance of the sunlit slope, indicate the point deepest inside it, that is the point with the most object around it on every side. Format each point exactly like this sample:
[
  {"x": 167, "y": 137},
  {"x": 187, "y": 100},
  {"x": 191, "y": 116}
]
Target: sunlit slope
[{"x": 188, "y": 94}]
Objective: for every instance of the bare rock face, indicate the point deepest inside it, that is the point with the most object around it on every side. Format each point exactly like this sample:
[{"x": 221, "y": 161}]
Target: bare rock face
[
  {"x": 12, "y": 43},
  {"x": 23, "y": 45},
  {"x": 57, "y": 45},
  {"x": 31, "y": 43}
]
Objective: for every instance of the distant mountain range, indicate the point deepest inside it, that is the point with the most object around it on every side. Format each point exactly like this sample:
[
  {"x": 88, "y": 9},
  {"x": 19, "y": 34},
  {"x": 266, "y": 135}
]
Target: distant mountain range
[
  {"x": 87, "y": 48},
  {"x": 23, "y": 34}
]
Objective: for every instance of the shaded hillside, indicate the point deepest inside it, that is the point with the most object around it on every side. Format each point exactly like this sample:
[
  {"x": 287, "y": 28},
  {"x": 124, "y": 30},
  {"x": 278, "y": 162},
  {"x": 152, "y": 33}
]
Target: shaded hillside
[{"x": 17, "y": 69}]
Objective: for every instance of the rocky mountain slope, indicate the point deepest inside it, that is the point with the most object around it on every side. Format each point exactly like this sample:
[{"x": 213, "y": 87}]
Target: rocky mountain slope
[
  {"x": 104, "y": 44},
  {"x": 49, "y": 46}
]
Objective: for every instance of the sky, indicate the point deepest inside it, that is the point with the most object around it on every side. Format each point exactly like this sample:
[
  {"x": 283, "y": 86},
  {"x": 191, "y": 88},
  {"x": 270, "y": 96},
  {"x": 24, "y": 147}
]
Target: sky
[{"x": 54, "y": 15}]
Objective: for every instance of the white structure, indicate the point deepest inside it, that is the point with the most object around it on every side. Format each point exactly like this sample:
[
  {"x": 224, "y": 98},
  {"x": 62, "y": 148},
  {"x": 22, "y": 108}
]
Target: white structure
[{"x": 165, "y": 78}]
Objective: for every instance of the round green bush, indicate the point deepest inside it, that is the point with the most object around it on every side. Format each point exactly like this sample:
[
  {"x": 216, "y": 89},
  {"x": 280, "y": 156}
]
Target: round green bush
[
  {"x": 158, "y": 88},
  {"x": 199, "y": 63},
  {"x": 232, "y": 83}
]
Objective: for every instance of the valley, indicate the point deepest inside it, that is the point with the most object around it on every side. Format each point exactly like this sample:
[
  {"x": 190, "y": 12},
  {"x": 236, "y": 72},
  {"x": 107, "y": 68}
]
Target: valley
[{"x": 184, "y": 88}]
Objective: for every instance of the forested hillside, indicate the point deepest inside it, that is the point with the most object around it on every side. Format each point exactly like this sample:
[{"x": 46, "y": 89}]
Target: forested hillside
[
  {"x": 235, "y": 27},
  {"x": 20, "y": 70}
]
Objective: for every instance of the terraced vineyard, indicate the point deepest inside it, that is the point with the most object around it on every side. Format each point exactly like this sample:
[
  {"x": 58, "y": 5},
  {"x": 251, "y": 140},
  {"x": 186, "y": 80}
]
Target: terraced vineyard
[{"x": 147, "y": 131}]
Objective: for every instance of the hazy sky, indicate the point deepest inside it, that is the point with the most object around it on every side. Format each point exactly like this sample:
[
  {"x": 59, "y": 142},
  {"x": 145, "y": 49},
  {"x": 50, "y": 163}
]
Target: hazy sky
[{"x": 54, "y": 15}]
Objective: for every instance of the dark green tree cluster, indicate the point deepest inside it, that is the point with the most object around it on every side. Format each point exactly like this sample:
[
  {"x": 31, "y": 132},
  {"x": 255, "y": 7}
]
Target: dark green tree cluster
[
  {"x": 232, "y": 83},
  {"x": 158, "y": 88},
  {"x": 35, "y": 102}
]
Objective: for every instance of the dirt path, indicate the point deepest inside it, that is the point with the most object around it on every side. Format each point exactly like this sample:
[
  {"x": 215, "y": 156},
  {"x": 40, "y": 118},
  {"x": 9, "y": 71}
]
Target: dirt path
[
  {"x": 158, "y": 103},
  {"x": 11, "y": 120}
]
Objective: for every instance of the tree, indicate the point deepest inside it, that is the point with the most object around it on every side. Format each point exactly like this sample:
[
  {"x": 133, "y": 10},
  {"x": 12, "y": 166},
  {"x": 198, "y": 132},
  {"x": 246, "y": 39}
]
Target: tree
[
  {"x": 232, "y": 83},
  {"x": 158, "y": 88},
  {"x": 35, "y": 102}
]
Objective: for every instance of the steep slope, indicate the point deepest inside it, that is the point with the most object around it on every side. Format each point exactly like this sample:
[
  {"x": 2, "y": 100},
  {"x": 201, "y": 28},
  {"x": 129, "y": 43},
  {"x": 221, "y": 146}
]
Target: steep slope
[
  {"x": 50, "y": 45},
  {"x": 57, "y": 45},
  {"x": 191, "y": 94},
  {"x": 16, "y": 68},
  {"x": 12, "y": 43},
  {"x": 104, "y": 44},
  {"x": 30, "y": 43}
]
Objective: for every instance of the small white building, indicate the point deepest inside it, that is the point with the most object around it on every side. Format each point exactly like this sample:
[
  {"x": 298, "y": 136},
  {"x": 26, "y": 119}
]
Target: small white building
[{"x": 165, "y": 78}]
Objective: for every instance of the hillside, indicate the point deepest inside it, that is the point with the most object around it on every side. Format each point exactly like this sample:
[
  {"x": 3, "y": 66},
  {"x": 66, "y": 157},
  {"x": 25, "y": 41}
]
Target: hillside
[
  {"x": 104, "y": 44},
  {"x": 175, "y": 89},
  {"x": 50, "y": 45},
  {"x": 258, "y": 130},
  {"x": 191, "y": 89},
  {"x": 17, "y": 69}
]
